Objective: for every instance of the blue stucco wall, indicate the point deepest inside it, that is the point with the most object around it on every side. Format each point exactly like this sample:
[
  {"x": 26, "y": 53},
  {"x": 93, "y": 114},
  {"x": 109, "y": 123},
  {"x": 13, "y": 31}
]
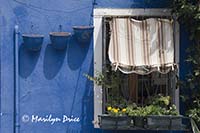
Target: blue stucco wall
[{"x": 51, "y": 82}]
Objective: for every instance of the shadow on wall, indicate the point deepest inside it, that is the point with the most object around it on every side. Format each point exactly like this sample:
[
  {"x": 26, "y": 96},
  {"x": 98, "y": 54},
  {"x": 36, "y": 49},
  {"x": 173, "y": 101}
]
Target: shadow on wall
[
  {"x": 53, "y": 61},
  {"x": 76, "y": 53},
  {"x": 27, "y": 61}
]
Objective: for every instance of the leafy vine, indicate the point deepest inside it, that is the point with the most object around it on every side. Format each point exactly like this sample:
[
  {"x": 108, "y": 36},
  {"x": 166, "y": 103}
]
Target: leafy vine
[{"x": 188, "y": 14}]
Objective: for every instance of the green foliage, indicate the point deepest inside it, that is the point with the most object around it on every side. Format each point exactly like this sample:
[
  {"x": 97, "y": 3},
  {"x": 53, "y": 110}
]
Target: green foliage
[
  {"x": 195, "y": 114},
  {"x": 139, "y": 111},
  {"x": 111, "y": 83},
  {"x": 188, "y": 13},
  {"x": 102, "y": 79},
  {"x": 151, "y": 110},
  {"x": 160, "y": 100},
  {"x": 116, "y": 101},
  {"x": 160, "y": 106}
]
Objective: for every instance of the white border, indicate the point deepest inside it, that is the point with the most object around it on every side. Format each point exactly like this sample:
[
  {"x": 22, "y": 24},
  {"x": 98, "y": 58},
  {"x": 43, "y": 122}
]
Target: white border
[{"x": 99, "y": 13}]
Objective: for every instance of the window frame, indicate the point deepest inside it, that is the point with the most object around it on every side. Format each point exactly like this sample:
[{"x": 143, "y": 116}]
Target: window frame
[{"x": 99, "y": 42}]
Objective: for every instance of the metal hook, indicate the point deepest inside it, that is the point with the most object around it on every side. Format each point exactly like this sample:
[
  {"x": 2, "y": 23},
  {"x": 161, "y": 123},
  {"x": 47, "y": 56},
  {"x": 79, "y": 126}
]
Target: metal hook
[
  {"x": 60, "y": 27},
  {"x": 32, "y": 27}
]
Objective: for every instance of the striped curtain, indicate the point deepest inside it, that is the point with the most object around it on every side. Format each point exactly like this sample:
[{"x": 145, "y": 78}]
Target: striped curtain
[{"x": 141, "y": 46}]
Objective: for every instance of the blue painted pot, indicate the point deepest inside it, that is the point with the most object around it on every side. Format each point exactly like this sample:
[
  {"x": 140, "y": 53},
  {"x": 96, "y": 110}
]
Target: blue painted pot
[
  {"x": 59, "y": 40},
  {"x": 83, "y": 34},
  {"x": 33, "y": 42}
]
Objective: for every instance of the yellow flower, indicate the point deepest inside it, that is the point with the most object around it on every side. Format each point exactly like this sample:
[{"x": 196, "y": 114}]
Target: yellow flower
[
  {"x": 109, "y": 108},
  {"x": 124, "y": 110},
  {"x": 115, "y": 110}
]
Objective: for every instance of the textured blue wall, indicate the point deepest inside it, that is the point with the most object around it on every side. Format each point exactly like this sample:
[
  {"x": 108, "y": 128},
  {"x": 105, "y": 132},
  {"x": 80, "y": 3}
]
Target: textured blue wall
[{"x": 51, "y": 82}]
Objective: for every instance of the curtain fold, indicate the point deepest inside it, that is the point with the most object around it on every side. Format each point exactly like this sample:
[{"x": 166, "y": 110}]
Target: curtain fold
[{"x": 142, "y": 46}]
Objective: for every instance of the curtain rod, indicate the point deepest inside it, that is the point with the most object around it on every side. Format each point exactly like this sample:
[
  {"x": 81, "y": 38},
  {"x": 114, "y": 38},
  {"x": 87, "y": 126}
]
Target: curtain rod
[{"x": 140, "y": 17}]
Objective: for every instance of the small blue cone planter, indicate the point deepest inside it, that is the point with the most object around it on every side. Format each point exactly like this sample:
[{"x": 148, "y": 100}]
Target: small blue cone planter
[
  {"x": 83, "y": 34},
  {"x": 33, "y": 42},
  {"x": 59, "y": 40}
]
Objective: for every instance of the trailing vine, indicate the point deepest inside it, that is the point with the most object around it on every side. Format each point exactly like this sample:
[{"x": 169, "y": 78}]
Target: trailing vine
[{"x": 188, "y": 14}]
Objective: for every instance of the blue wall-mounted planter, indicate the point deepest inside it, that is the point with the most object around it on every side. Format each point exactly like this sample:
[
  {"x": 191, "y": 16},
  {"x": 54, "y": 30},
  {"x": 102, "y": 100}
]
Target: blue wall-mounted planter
[
  {"x": 59, "y": 40},
  {"x": 33, "y": 42},
  {"x": 83, "y": 34}
]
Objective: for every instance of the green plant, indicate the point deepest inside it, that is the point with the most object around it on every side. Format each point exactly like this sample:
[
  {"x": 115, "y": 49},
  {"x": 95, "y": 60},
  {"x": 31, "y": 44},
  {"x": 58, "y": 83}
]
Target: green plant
[
  {"x": 107, "y": 78},
  {"x": 188, "y": 14},
  {"x": 111, "y": 83},
  {"x": 136, "y": 111},
  {"x": 195, "y": 114},
  {"x": 152, "y": 110},
  {"x": 116, "y": 101},
  {"x": 160, "y": 106},
  {"x": 160, "y": 100}
]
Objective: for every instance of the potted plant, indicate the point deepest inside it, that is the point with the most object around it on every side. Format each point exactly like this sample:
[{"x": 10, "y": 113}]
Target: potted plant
[
  {"x": 83, "y": 34},
  {"x": 33, "y": 42},
  {"x": 157, "y": 115},
  {"x": 162, "y": 114},
  {"x": 138, "y": 115},
  {"x": 115, "y": 118},
  {"x": 164, "y": 119}
]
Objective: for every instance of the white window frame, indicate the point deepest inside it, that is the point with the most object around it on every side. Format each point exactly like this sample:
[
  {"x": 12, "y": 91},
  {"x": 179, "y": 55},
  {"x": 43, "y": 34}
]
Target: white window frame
[{"x": 99, "y": 14}]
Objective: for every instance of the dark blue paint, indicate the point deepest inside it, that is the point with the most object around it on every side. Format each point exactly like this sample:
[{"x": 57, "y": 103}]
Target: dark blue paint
[
  {"x": 134, "y": 3},
  {"x": 184, "y": 66},
  {"x": 51, "y": 81}
]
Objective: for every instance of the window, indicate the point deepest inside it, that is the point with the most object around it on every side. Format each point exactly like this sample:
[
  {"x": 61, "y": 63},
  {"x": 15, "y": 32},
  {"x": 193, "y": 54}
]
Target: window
[{"x": 134, "y": 87}]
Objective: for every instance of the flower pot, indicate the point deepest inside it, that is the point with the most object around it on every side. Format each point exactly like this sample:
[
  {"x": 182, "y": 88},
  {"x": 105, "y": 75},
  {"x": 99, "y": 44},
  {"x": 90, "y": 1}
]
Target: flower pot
[
  {"x": 139, "y": 121},
  {"x": 83, "y": 34},
  {"x": 114, "y": 122},
  {"x": 164, "y": 122},
  {"x": 59, "y": 40},
  {"x": 33, "y": 42}
]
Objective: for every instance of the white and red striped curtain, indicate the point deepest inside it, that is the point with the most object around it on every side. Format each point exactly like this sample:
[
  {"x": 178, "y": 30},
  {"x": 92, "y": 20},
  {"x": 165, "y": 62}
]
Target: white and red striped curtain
[{"x": 142, "y": 46}]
